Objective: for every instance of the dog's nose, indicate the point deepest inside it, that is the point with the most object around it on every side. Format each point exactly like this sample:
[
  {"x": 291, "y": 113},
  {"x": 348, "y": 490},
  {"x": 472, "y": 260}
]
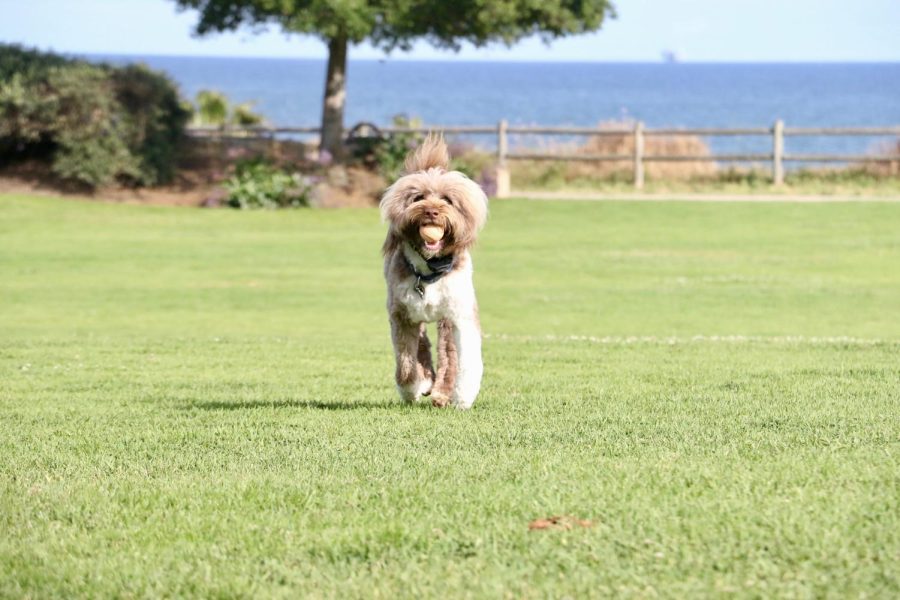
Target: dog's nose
[{"x": 432, "y": 213}]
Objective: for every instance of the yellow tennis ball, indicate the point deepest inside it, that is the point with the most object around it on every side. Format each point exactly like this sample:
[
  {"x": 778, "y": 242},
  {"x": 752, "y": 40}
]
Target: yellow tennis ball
[{"x": 431, "y": 233}]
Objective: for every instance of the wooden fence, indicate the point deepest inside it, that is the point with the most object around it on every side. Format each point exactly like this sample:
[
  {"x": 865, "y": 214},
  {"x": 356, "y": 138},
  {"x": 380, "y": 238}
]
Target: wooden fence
[{"x": 638, "y": 133}]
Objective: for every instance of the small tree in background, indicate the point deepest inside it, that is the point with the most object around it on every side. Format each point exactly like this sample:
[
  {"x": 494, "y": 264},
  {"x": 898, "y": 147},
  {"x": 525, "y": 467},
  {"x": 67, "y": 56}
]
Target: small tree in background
[
  {"x": 396, "y": 24},
  {"x": 211, "y": 108},
  {"x": 214, "y": 109}
]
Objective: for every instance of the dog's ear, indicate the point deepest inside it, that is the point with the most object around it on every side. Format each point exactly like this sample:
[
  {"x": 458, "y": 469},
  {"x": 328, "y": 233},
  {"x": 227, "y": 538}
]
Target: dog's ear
[{"x": 431, "y": 153}]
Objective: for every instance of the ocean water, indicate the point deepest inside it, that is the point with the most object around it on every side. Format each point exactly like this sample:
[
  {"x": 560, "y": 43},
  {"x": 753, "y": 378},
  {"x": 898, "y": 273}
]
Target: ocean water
[{"x": 289, "y": 92}]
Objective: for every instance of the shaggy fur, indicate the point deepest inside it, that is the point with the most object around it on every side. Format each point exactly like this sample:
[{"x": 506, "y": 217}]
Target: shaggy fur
[{"x": 430, "y": 194}]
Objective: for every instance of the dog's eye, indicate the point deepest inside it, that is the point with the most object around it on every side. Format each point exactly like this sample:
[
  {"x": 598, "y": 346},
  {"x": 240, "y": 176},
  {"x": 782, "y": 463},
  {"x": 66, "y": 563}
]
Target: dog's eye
[
  {"x": 418, "y": 197},
  {"x": 447, "y": 200}
]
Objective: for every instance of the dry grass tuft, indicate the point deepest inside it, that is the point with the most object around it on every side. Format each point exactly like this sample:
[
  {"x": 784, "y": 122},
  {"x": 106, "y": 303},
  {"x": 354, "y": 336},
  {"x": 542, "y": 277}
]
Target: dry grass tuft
[
  {"x": 885, "y": 169},
  {"x": 617, "y": 141},
  {"x": 623, "y": 143}
]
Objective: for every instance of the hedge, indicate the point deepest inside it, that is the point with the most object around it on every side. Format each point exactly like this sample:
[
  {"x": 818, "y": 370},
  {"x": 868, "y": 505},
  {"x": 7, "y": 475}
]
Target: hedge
[{"x": 93, "y": 123}]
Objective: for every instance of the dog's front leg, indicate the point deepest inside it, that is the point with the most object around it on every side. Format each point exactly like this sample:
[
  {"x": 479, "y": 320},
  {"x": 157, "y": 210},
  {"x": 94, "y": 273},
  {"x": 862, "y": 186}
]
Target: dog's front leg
[
  {"x": 414, "y": 374},
  {"x": 467, "y": 338}
]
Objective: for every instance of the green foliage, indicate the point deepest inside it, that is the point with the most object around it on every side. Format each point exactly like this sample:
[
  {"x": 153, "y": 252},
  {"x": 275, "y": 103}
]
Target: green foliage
[
  {"x": 391, "y": 150},
  {"x": 258, "y": 184},
  {"x": 397, "y": 23},
  {"x": 15, "y": 60},
  {"x": 92, "y": 123},
  {"x": 71, "y": 109},
  {"x": 200, "y": 404},
  {"x": 751, "y": 178},
  {"x": 471, "y": 161},
  {"x": 851, "y": 175},
  {"x": 243, "y": 115},
  {"x": 154, "y": 116},
  {"x": 214, "y": 109},
  {"x": 387, "y": 152}
]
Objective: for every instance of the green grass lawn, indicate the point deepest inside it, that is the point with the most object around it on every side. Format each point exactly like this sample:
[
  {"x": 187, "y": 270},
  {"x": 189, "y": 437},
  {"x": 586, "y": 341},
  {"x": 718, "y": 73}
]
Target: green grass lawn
[{"x": 200, "y": 403}]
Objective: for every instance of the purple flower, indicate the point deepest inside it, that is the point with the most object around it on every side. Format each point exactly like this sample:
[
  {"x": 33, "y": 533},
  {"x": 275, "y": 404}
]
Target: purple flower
[
  {"x": 488, "y": 181},
  {"x": 458, "y": 148}
]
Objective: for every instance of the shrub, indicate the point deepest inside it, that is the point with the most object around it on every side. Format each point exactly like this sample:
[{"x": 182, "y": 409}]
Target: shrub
[
  {"x": 15, "y": 60},
  {"x": 211, "y": 108},
  {"x": 391, "y": 151},
  {"x": 243, "y": 115},
  {"x": 91, "y": 123},
  {"x": 155, "y": 116},
  {"x": 215, "y": 109},
  {"x": 384, "y": 153},
  {"x": 68, "y": 112},
  {"x": 258, "y": 184},
  {"x": 624, "y": 144}
]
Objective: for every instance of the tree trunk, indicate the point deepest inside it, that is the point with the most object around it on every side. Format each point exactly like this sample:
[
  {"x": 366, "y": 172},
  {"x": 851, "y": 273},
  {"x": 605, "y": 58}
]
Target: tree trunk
[{"x": 335, "y": 98}]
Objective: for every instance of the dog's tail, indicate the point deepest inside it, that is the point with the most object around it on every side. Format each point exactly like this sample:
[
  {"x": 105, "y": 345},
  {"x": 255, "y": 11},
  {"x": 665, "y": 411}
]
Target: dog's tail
[{"x": 432, "y": 153}]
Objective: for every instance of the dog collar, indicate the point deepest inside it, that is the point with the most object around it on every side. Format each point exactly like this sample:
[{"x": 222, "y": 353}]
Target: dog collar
[{"x": 439, "y": 266}]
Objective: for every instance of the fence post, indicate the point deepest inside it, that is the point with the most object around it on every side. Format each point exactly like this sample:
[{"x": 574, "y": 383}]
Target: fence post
[
  {"x": 503, "y": 182},
  {"x": 638, "y": 155},
  {"x": 274, "y": 149},
  {"x": 778, "y": 153},
  {"x": 502, "y": 148}
]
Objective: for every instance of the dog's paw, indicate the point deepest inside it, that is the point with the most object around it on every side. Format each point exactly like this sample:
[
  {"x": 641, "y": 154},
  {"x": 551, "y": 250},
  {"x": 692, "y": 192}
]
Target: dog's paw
[
  {"x": 462, "y": 403},
  {"x": 440, "y": 400},
  {"x": 408, "y": 393},
  {"x": 412, "y": 392}
]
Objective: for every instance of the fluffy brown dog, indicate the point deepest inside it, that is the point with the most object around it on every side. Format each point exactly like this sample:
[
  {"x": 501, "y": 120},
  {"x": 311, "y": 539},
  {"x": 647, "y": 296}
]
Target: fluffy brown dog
[{"x": 434, "y": 216}]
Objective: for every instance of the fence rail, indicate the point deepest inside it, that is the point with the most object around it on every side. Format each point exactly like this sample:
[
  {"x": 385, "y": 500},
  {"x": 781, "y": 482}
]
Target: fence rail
[{"x": 638, "y": 133}]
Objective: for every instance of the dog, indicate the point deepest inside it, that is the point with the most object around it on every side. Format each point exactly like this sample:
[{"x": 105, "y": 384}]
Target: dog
[{"x": 433, "y": 216}]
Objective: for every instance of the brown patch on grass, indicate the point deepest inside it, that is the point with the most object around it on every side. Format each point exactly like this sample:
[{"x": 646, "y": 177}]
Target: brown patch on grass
[{"x": 559, "y": 522}]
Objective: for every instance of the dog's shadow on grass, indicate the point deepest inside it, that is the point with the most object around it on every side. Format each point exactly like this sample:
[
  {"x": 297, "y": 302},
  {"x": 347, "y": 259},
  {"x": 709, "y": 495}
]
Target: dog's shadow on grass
[{"x": 308, "y": 404}]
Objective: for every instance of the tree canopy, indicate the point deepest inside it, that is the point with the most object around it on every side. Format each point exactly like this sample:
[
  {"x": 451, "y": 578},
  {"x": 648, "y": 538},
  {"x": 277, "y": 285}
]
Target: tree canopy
[
  {"x": 396, "y": 24},
  {"x": 393, "y": 24}
]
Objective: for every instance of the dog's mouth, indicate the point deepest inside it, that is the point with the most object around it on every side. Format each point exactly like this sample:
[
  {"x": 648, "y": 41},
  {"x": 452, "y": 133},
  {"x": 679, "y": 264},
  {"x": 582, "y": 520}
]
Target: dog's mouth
[
  {"x": 433, "y": 238},
  {"x": 433, "y": 247}
]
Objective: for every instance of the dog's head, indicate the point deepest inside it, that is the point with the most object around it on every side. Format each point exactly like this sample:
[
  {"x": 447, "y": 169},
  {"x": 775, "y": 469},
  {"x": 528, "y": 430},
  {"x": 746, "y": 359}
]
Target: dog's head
[{"x": 437, "y": 211}]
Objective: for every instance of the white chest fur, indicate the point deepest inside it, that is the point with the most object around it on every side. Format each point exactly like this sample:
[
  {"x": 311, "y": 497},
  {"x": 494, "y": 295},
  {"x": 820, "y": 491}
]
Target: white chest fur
[
  {"x": 434, "y": 304},
  {"x": 450, "y": 297}
]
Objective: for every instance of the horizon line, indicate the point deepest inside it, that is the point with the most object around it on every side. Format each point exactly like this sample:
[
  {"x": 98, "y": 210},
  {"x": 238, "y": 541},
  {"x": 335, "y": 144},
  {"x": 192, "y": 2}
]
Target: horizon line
[{"x": 485, "y": 60}]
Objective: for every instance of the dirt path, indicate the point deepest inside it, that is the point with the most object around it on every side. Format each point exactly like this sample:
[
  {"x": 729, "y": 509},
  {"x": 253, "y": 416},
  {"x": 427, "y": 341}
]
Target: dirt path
[
  {"x": 174, "y": 195},
  {"x": 196, "y": 193}
]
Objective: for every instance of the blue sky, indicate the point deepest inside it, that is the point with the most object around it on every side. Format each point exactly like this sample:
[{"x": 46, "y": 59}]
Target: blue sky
[{"x": 698, "y": 30}]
